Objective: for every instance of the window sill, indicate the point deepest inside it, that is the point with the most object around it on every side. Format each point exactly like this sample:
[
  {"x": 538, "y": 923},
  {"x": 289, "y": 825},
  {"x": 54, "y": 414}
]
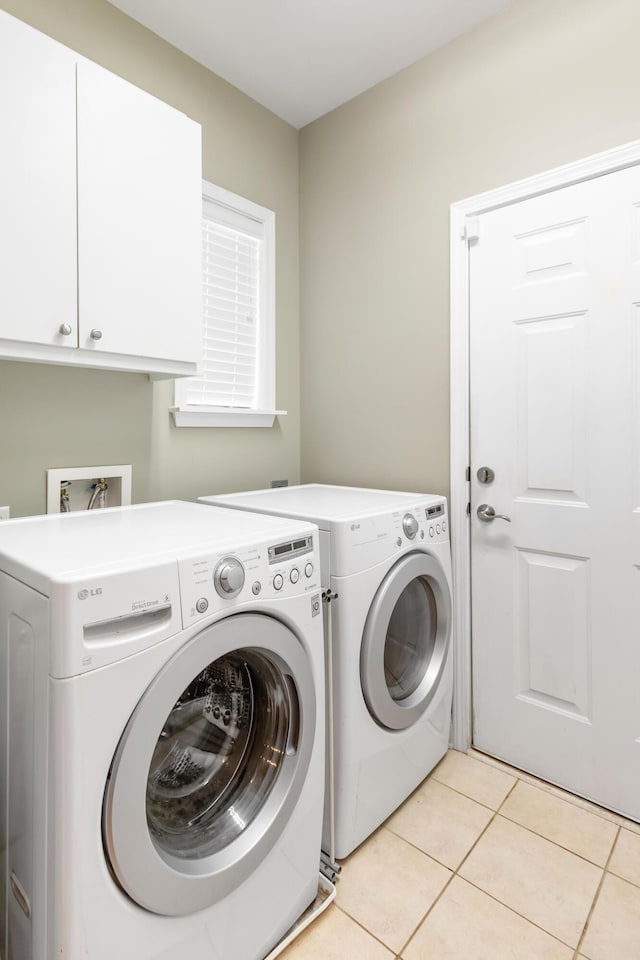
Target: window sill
[{"x": 186, "y": 417}]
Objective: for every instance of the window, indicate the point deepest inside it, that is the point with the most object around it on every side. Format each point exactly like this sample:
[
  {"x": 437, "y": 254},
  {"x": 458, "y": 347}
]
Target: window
[{"x": 236, "y": 383}]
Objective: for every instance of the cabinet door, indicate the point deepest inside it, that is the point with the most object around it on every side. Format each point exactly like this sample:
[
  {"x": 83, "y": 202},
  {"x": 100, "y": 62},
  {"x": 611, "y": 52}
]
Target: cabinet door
[
  {"x": 139, "y": 222},
  {"x": 38, "y": 289}
]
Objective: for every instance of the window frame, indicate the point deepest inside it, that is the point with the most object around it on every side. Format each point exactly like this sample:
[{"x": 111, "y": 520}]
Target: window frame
[{"x": 264, "y": 412}]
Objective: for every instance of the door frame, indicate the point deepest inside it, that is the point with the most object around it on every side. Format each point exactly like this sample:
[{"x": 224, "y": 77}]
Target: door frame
[{"x": 463, "y": 232}]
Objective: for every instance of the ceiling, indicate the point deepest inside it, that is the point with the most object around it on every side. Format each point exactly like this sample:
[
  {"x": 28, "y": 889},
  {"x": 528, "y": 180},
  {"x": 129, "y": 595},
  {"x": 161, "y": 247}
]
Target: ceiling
[{"x": 302, "y": 58}]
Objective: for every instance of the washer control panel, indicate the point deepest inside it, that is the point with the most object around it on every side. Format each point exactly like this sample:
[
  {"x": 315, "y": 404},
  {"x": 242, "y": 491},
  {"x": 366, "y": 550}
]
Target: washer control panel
[
  {"x": 212, "y": 582},
  {"x": 228, "y": 577},
  {"x": 291, "y": 549}
]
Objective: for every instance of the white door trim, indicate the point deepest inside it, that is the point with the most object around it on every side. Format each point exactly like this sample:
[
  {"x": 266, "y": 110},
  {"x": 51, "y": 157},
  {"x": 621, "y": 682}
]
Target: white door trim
[{"x": 462, "y": 231}]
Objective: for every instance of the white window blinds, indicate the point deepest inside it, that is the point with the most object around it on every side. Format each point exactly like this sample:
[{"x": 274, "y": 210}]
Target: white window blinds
[
  {"x": 231, "y": 312},
  {"x": 235, "y": 385}
]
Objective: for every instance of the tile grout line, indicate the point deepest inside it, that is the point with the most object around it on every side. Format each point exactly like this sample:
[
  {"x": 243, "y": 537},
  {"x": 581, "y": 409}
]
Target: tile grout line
[
  {"x": 596, "y": 897},
  {"x": 454, "y": 873},
  {"x": 424, "y": 917},
  {"x": 495, "y": 812},
  {"x": 560, "y": 793},
  {"x": 490, "y": 895},
  {"x": 515, "y": 912},
  {"x": 366, "y": 929},
  {"x": 518, "y": 823},
  {"x": 560, "y": 846},
  {"x": 521, "y": 915},
  {"x": 420, "y": 850},
  {"x": 480, "y": 803}
]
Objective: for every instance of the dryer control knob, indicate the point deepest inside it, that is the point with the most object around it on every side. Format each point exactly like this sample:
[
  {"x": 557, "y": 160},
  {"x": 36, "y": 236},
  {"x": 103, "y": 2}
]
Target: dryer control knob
[
  {"x": 228, "y": 577},
  {"x": 410, "y": 525}
]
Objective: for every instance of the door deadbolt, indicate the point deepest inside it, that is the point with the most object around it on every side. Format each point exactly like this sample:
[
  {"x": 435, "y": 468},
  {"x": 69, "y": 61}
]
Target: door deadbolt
[{"x": 485, "y": 475}]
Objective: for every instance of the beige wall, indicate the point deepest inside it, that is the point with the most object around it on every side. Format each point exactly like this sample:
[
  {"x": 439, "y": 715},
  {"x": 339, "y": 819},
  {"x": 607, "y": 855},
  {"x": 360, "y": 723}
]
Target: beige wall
[
  {"x": 57, "y": 416},
  {"x": 541, "y": 85},
  {"x": 546, "y": 83}
]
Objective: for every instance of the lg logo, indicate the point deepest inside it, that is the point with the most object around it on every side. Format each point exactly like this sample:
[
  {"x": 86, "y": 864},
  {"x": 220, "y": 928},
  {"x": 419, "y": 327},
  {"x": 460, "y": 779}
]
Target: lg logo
[{"x": 85, "y": 594}]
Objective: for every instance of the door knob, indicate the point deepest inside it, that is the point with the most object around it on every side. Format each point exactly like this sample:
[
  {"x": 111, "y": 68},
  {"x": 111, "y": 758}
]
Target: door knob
[
  {"x": 96, "y": 334},
  {"x": 487, "y": 514}
]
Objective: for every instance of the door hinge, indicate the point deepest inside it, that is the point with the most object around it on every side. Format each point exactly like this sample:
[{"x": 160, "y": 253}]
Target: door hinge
[
  {"x": 467, "y": 474},
  {"x": 471, "y": 229},
  {"x": 468, "y": 509}
]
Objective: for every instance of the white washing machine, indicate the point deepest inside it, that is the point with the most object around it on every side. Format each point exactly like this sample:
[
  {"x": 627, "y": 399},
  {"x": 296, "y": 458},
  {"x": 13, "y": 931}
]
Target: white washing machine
[
  {"x": 386, "y": 571},
  {"x": 162, "y": 732}
]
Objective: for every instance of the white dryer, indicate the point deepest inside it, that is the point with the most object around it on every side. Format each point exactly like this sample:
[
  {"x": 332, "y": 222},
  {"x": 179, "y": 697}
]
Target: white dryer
[
  {"x": 386, "y": 570},
  {"x": 162, "y": 733}
]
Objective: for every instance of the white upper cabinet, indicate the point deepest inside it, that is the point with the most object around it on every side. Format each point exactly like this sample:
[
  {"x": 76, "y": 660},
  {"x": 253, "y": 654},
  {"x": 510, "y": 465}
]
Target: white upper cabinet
[
  {"x": 100, "y": 238},
  {"x": 139, "y": 221},
  {"x": 38, "y": 273}
]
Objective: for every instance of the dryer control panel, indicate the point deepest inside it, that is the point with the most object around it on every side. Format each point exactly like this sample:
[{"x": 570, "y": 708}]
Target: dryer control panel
[
  {"x": 210, "y": 583},
  {"x": 364, "y": 541},
  {"x": 422, "y": 524}
]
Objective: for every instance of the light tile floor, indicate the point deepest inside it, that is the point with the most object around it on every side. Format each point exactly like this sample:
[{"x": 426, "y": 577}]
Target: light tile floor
[{"x": 485, "y": 863}]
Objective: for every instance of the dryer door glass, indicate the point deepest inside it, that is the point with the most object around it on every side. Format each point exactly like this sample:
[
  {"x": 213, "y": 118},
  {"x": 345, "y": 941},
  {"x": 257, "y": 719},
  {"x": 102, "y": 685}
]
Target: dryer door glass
[
  {"x": 406, "y": 639},
  {"x": 411, "y": 638},
  {"x": 219, "y": 754}
]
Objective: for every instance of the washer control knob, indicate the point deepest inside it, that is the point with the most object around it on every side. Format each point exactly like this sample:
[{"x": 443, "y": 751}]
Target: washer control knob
[
  {"x": 228, "y": 577},
  {"x": 431, "y": 531},
  {"x": 410, "y": 525},
  {"x": 308, "y": 570},
  {"x": 256, "y": 588},
  {"x": 294, "y": 576},
  {"x": 278, "y": 581},
  {"x": 202, "y": 605}
]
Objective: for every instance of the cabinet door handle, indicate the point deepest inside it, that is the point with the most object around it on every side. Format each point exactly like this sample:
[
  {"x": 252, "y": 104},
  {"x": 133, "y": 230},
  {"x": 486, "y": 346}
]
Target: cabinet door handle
[
  {"x": 96, "y": 334},
  {"x": 64, "y": 329}
]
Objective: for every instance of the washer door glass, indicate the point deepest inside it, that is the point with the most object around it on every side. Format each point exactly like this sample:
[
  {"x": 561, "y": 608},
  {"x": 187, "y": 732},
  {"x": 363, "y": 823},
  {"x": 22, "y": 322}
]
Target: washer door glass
[
  {"x": 219, "y": 754},
  {"x": 211, "y": 765},
  {"x": 406, "y": 641}
]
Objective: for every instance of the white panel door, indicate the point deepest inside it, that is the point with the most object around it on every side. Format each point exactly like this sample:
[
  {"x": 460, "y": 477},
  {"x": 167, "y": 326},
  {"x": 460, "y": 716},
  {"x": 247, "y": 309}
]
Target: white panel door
[
  {"x": 37, "y": 187},
  {"x": 555, "y": 401},
  {"x": 139, "y": 221}
]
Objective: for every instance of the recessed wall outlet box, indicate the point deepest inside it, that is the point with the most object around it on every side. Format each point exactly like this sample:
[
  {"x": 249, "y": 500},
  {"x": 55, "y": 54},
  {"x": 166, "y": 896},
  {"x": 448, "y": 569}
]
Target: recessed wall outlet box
[
  {"x": 5, "y": 513},
  {"x": 75, "y": 485},
  {"x": 279, "y": 483}
]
